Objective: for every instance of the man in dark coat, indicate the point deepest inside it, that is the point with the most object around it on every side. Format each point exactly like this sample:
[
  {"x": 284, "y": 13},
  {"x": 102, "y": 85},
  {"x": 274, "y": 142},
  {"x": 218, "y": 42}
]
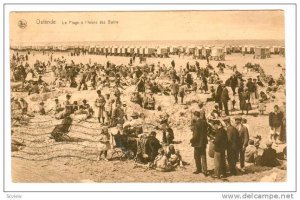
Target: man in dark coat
[
  {"x": 225, "y": 98},
  {"x": 275, "y": 122},
  {"x": 243, "y": 140},
  {"x": 174, "y": 90},
  {"x": 233, "y": 83},
  {"x": 233, "y": 146},
  {"x": 152, "y": 146},
  {"x": 218, "y": 96},
  {"x": 199, "y": 142},
  {"x": 220, "y": 143}
]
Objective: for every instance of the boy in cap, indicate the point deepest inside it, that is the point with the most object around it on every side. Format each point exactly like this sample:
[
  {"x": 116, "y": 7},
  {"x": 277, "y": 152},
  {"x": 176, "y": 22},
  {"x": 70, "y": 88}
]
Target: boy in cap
[{"x": 275, "y": 122}]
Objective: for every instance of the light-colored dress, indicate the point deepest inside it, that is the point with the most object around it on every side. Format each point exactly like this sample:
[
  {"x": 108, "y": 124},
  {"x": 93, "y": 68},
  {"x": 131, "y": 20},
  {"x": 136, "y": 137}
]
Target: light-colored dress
[{"x": 104, "y": 143}]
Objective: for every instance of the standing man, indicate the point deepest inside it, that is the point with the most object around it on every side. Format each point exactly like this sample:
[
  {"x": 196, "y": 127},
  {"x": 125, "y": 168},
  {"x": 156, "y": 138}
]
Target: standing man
[
  {"x": 175, "y": 90},
  {"x": 251, "y": 88},
  {"x": 100, "y": 103},
  {"x": 199, "y": 142},
  {"x": 220, "y": 143},
  {"x": 233, "y": 83},
  {"x": 225, "y": 98},
  {"x": 182, "y": 90},
  {"x": 218, "y": 95},
  {"x": 108, "y": 109},
  {"x": 202, "y": 110},
  {"x": 275, "y": 122},
  {"x": 232, "y": 146},
  {"x": 243, "y": 141},
  {"x": 83, "y": 77}
]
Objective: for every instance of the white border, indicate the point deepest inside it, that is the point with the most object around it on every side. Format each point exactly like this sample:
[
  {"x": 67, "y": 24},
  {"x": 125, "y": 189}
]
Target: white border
[{"x": 290, "y": 70}]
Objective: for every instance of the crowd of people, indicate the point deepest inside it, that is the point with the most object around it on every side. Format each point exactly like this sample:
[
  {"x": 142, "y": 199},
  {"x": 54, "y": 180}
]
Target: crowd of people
[{"x": 214, "y": 130}]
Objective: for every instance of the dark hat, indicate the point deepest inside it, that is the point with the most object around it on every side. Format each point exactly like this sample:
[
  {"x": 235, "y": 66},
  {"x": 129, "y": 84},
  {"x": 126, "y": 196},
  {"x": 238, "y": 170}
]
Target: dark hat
[
  {"x": 68, "y": 95},
  {"x": 238, "y": 119},
  {"x": 84, "y": 100},
  {"x": 56, "y": 99},
  {"x": 98, "y": 91},
  {"x": 201, "y": 103},
  {"x": 197, "y": 113},
  {"x": 153, "y": 133},
  {"x": 251, "y": 142},
  {"x": 42, "y": 103},
  {"x": 216, "y": 122}
]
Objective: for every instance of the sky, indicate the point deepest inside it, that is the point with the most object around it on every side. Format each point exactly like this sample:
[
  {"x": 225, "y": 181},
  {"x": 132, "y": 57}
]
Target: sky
[{"x": 140, "y": 26}]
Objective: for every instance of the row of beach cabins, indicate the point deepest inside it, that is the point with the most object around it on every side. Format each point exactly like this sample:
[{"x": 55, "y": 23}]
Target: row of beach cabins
[{"x": 198, "y": 52}]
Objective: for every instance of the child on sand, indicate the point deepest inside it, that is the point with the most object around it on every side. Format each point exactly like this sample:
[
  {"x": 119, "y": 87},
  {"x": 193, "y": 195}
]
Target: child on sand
[
  {"x": 104, "y": 144},
  {"x": 261, "y": 106},
  {"x": 161, "y": 162}
]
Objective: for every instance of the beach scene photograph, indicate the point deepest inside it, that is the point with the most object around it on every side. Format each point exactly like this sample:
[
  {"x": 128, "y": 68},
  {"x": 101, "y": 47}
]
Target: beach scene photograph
[{"x": 148, "y": 96}]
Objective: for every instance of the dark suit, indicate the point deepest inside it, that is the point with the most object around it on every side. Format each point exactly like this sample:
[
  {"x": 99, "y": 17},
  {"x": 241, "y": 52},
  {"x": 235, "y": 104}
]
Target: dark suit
[
  {"x": 243, "y": 141},
  {"x": 225, "y": 98},
  {"x": 199, "y": 142},
  {"x": 151, "y": 147},
  {"x": 219, "y": 156},
  {"x": 233, "y": 83},
  {"x": 218, "y": 96},
  {"x": 232, "y": 148}
]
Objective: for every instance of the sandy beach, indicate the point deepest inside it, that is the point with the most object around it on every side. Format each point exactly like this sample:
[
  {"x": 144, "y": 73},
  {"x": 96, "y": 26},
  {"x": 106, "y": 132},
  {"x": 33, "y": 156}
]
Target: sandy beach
[{"x": 43, "y": 160}]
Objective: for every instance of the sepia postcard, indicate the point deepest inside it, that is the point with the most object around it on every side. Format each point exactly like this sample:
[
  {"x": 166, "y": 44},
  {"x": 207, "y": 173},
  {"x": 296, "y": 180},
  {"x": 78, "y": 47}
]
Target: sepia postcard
[{"x": 148, "y": 96}]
